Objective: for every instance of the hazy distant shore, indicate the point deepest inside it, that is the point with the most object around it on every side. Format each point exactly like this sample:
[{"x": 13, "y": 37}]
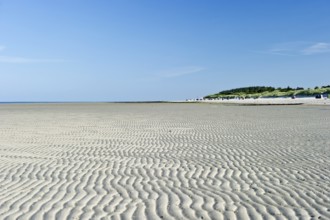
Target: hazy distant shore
[
  {"x": 271, "y": 101},
  {"x": 259, "y": 101}
]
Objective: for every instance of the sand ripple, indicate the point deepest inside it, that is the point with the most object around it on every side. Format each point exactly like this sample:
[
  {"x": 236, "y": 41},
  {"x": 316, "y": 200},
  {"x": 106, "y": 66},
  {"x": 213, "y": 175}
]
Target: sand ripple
[{"x": 164, "y": 161}]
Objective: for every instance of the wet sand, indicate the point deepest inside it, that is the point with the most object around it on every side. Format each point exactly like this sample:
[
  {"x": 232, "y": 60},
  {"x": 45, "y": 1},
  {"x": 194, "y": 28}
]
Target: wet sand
[{"x": 164, "y": 161}]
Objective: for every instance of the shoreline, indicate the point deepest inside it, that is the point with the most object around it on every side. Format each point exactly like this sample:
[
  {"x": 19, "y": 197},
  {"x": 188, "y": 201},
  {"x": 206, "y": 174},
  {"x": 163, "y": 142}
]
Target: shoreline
[
  {"x": 270, "y": 101},
  {"x": 259, "y": 101}
]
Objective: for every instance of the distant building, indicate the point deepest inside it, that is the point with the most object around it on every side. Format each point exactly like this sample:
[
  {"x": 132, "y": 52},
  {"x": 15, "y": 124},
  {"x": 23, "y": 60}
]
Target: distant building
[{"x": 319, "y": 96}]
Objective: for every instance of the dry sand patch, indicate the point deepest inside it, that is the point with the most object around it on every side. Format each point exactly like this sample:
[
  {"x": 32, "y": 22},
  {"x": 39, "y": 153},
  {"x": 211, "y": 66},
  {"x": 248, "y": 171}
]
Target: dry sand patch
[{"x": 164, "y": 161}]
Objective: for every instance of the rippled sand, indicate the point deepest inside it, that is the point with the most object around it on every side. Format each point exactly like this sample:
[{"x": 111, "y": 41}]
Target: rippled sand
[{"x": 164, "y": 161}]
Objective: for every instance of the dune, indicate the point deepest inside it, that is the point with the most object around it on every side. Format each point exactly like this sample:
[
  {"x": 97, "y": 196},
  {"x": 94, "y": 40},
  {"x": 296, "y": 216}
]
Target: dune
[
  {"x": 273, "y": 101},
  {"x": 164, "y": 161}
]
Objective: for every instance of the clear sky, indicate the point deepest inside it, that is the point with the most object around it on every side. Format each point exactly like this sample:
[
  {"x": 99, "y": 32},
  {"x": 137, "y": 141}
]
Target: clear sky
[{"x": 116, "y": 50}]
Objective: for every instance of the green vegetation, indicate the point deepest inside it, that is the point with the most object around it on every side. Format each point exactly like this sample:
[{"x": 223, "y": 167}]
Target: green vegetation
[{"x": 267, "y": 91}]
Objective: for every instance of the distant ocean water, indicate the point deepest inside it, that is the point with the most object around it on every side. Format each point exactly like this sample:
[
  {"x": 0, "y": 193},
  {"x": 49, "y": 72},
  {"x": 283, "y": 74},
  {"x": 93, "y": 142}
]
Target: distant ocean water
[
  {"x": 33, "y": 102},
  {"x": 41, "y": 102},
  {"x": 19, "y": 102}
]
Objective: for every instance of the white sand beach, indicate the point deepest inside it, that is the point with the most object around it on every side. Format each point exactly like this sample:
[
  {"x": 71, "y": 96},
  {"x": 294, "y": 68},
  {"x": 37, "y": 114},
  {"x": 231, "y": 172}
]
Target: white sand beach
[
  {"x": 164, "y": 161},
  {"x": 274, "y": 101}
]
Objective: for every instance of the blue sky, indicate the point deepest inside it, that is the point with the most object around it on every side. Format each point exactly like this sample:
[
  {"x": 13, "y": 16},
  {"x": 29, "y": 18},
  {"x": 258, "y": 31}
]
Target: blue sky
[{"x": 108, "y": 50}]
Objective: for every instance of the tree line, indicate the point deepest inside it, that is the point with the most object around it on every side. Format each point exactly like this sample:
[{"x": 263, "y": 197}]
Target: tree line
[{"x": 260, "y": 89}]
